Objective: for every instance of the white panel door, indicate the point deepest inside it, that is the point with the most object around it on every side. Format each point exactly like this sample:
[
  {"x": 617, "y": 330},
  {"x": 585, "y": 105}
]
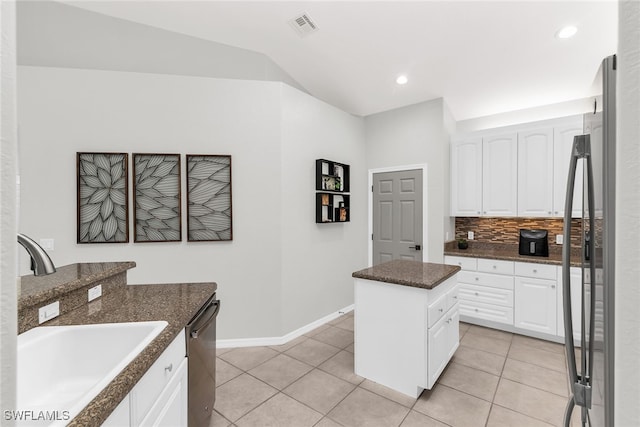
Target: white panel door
[
  {"x": 397, "y": 216},
  {"x": 535, "y": 173},
  {"x": 562, "y": 144},
  {"x": 535, "y": 305},
  {"x": 466, "y": 177},
  {"x": 500, "y": 175}
]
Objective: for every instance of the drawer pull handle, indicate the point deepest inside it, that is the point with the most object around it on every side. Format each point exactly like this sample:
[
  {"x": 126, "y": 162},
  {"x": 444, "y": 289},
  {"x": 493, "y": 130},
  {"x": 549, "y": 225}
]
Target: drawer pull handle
[
  {"x": 169, "y": 368},
  {"x": 440, "y": 310},
  {"x": 455, "y": 297},
  {"x": 476, "y": 294},
  {"x": 476, "y": 310},
  {"x": 495, "y": 266},
  {"x": 553, "y": 286},
  {"x": 535, "y": 271},
  {"x": 477, "y": 278}
]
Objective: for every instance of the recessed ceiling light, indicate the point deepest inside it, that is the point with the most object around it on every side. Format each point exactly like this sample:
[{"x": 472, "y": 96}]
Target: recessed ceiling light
[
  {"x": 567, "y": 32},
  {"x": 402, "y": 80}
]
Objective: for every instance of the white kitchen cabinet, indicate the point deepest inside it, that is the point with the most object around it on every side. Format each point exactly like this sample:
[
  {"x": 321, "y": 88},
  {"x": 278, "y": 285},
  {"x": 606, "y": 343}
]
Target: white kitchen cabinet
[
  {"x": 500, "y": 175},
  {"x": 575, "y": 274},
  {"x": 120, "y": 417},
  {"x": 443, "y": 342},
  {"x": 466, "y": 177},
  {"x": 535, "y": 172},
  {"x": 160, "y": 397},
  {"x": 412, "y": 360},
  {"x": 170, "y": 410},
  {"x": 485, "y": 289},
  {"x": 535, "y": 306},
  {"x": 562, "y": 144}
]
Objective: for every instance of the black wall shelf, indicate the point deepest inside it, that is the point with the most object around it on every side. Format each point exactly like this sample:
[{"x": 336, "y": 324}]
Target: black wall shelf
[{"x": 333, "y": 202}]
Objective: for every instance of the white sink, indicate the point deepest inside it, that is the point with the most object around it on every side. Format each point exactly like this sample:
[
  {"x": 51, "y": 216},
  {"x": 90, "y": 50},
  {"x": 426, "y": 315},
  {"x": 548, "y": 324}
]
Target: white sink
[{"x": 62, "y": 368}]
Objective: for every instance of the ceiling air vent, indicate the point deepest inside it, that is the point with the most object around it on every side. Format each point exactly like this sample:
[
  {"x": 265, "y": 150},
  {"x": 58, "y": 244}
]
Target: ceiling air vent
[{"x": 303, "y": 25}]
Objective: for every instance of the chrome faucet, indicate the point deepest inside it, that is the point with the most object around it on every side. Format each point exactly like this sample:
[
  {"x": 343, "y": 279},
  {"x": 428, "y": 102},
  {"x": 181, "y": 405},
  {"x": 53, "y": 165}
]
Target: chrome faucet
[{"x": 41, "y": 264}]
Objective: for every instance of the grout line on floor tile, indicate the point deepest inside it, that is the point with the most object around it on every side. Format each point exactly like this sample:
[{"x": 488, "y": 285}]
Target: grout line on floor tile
[{"x": 526, "y": 415}]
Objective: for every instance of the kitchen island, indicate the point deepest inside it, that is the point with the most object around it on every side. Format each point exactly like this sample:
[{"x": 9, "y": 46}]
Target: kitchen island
[{"x": 406, "y": 323}]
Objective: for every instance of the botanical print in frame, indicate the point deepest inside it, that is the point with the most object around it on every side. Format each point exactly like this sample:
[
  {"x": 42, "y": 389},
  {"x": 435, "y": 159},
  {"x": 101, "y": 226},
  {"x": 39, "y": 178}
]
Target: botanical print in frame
[
  {"x": 102, "y": 211},
  {"x": 209, "y": 198},
  {"x": 156, "y": 198}
]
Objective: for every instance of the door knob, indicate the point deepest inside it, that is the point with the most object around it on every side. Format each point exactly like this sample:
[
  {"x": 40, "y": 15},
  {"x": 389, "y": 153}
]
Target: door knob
[{"x": 416, "y": 247}]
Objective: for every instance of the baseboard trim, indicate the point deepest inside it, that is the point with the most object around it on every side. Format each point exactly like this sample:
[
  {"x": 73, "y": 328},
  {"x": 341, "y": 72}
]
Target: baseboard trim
[{"x": 259, "y": 342}]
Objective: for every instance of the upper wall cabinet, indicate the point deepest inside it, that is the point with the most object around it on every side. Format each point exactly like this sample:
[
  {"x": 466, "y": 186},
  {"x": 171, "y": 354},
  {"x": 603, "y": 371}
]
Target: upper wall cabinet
[
  {"x": 499, "y": 175},
  {"x": 535, "y": 172},
  {"x": 562, "y": 144},
  {"x": 519, "y": 170},
  {"x": 466, "y": 184}
]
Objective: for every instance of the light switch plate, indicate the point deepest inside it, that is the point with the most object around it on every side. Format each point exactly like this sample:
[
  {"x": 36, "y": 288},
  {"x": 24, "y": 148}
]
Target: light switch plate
[
  {"x": 470, "y": 235},
  {"x": 95, "y": 292},
  {"x": 48, "y": 312},
  {"x": 559, "y": 239}
]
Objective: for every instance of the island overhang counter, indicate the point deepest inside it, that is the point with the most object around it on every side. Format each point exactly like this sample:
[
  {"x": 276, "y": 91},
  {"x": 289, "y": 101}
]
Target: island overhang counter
[{"x": 406, "y": 323}]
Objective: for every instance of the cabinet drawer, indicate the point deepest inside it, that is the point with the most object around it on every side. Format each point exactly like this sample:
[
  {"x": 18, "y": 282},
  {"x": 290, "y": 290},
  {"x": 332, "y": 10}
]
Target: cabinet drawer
[
  {"x": 171, "y": 407},
  {"x": 495, "y": 266},
  {"x": 491, "y": 312},
  {"x": 469, "y": 264},
  {"x": 484, "y": 279},
  {"x": 486, "y": 294},
  {"x": 537, "y": 271},
  {"x": 452, "y": 296},
  {"x": 436, "y": 310},
  {"x": 157, "y": 377}
]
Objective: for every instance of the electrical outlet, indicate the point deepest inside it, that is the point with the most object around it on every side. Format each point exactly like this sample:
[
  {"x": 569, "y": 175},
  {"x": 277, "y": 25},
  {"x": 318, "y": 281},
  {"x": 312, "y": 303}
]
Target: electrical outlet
[
  {"x": 47, "y": 244},
  {"x": 470, "y": 235},
  {"x": 48, "y": 312},
  {"x": 559, "y": 239},
  {"x": 95, "y": 292}
]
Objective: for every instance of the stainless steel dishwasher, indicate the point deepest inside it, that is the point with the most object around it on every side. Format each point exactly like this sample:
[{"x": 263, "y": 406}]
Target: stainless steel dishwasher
[{"x": 201, "y": 351}]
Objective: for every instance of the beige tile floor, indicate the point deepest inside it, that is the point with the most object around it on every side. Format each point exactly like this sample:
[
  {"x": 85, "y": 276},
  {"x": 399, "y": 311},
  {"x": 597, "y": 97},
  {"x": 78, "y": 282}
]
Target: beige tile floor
[{"x": 494, "y": 379}]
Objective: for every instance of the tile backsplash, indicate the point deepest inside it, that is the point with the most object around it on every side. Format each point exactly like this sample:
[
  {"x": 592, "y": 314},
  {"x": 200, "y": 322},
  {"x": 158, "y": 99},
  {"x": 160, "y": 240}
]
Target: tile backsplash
[{"x": 506, "y": 230}]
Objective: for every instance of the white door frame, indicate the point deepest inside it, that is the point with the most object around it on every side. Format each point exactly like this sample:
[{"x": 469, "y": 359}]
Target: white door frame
[{"x": 422, "y": 166}]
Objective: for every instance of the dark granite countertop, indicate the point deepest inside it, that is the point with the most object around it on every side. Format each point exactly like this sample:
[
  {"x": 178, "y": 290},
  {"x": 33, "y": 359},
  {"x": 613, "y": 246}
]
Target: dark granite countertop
[
  {"x": 417, "y": 274},
  {"x": 37, "y": 289},
  {"x": 508, "y": 252},
  {"x": 174, "y": 303}
]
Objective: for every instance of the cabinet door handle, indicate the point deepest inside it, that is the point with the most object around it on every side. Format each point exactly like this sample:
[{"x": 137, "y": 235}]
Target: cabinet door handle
[
  {"x": 476, "y": 310},
  {"x": 440, "y": 310},
  {"x": 535, "y": 271},
  {"x": 169, "y": 368},
  {"x": 455, "y": 297},
  {"x": 416, "y": 247},
  {"x": 476, "y": 294},
  {"x": 553, "y": 286},
  {"x": 495, "y": 266},
  {"x": 477, "y": 278}
]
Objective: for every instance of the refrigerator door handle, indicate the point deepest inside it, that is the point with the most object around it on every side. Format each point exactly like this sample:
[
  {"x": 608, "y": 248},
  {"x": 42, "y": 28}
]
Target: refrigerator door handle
[{"x": 581, "y": 386}]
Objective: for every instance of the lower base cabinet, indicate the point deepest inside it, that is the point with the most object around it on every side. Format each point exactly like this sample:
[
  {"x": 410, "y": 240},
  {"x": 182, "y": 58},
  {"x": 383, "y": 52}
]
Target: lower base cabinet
[
  {"x": 160, "y": 398},
  {"x": 535, "y": 305},
  {"x": 444, "y": 337}
]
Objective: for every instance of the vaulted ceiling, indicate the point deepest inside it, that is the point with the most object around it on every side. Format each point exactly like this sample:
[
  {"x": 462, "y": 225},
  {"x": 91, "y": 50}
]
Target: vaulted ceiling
[{"x": 483, "y": 57}]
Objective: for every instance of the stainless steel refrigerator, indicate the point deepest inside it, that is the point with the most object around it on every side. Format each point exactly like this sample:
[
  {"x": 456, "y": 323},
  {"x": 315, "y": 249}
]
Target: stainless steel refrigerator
[{"x": 590, "y": 355}]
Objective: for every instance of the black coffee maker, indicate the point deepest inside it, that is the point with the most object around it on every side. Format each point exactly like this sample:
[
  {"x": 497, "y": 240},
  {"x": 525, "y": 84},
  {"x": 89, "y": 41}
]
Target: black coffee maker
[{"x": 534, "y": 242}]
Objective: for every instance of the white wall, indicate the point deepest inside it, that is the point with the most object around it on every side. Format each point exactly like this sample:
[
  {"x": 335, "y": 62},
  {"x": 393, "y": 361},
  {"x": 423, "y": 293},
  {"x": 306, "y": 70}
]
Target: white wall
[
  {"x": 8, "y": 244},
  {"x": 627, "y": 291},
  {"x": 414, "y": 135},
  {"x": 263, "y": 273},
  {"x": 63, "y": 111},
  {"x": 318, "y": 259}
]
